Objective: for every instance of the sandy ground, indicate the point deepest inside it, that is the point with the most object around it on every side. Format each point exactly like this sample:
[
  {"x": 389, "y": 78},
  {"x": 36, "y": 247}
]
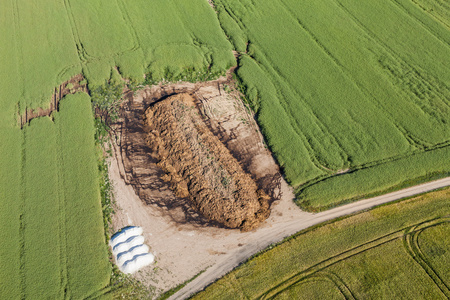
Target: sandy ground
[{"x": 183, "y": 250}]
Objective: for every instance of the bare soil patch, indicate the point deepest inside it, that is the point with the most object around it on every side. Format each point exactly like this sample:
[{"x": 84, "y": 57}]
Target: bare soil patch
[
  {"x": 183, "y": 240},
  {"x": 71, "y": 86}
]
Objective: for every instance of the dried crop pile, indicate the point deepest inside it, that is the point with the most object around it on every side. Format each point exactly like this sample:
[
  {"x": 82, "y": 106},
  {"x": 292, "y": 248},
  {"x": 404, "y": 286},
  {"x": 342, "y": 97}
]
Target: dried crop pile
[{"x": 201, "y": 168}]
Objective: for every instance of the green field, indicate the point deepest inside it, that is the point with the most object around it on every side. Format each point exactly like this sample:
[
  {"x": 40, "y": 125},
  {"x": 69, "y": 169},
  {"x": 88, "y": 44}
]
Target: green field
[
  {"x": 399, "y": 250},
  {"x": 360, "y": 88},
  {"x": 53, "y": 244},
  {"x": 353, "y": 98}
]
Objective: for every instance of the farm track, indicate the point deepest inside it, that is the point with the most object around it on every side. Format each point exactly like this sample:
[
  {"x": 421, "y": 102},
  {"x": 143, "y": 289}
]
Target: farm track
[
  {"x": 329, "y": 262},
  {"x": 282, "y": 230},
  {"x": 412, "y": 246},
  {"x": 426, "y": 27}
]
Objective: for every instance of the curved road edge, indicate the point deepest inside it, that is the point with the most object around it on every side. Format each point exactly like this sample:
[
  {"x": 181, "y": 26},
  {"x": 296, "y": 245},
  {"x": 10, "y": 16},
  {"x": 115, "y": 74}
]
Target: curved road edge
[{"x": 278, "y": 233}]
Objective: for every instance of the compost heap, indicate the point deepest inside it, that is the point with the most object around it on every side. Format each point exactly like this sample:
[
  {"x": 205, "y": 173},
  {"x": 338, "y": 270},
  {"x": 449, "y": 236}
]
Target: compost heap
[{"x": 199, "y": 167}]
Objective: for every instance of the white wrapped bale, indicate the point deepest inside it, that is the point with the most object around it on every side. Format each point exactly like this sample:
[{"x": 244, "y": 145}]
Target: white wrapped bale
[
  {"x": 138, "y": 262},
  {"x": 132, "y": 252},
  {"x": 124, "y": 234},
  {"x": 128, "y": 244}
]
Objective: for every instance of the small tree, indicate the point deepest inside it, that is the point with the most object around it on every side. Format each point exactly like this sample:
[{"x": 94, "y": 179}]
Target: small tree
[{"x": 106, "y": 100}]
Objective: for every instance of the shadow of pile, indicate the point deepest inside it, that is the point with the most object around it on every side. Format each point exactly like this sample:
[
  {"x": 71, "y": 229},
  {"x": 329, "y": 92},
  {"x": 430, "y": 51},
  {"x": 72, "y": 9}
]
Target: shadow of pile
[{"x": 140, "y": 167}]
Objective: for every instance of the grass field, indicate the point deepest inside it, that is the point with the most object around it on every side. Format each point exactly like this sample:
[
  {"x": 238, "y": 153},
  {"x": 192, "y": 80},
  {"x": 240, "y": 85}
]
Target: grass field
[
  {"x": 346, "y": 87},
  {"x": 52, "y": 229},
  {"x": 340, "y": 86},
  {"x": 51, "y": 215},
  {"x": 399, "y": 250},
  {"x": 353, "y": 98}
]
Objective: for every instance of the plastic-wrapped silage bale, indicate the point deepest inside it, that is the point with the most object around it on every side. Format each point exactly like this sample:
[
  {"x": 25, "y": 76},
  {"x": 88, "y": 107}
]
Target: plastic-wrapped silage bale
[
  {"x": 132, "y": 252},
  {"x": 138, "y": 262},
  {"x": 124, "y": 234},
  {"x": 129, "y": 243}
]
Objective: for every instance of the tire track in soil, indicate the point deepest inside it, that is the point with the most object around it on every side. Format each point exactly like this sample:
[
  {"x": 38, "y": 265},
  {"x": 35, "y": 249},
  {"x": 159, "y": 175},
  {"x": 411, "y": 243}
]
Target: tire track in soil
[
  {"x": 331, "y": 261},
  {"x": 127, "y": 19},
  {"x": 58, "y": 93},
  {"x": 82, "y": 53}
]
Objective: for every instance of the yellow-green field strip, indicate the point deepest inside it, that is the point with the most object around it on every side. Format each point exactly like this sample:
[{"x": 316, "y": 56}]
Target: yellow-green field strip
[{"x": 226, "y": 264}]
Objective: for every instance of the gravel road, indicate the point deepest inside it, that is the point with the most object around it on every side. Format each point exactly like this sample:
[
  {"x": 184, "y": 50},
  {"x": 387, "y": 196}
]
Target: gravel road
[{"x": 277, "y": 232}]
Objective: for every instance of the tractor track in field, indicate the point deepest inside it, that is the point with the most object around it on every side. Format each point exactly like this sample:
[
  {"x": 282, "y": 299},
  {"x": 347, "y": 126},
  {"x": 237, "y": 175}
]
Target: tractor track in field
[{"x": 409, "y": 236}]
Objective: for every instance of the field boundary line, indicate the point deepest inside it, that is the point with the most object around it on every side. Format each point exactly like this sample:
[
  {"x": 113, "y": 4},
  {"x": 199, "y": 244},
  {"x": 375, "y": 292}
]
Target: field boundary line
[
  {"x": 63, "y": 225},
  {"x": 21, "y": 217}
]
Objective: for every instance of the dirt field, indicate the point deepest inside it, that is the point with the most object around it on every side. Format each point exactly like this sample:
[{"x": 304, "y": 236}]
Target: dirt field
[{"x": 183, "y": 241}]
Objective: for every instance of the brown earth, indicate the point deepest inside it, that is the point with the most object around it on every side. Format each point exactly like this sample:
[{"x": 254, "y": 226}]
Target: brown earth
[
  {"x": 71, "y": 86},
  {"x": 227, "y": 118},
  {"x": 183, "y": 240},
  {"x": 199, "y": 167}
]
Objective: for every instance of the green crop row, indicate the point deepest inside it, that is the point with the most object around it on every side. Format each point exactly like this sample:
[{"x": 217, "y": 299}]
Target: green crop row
[
  {"x": 361, "y": 256},
  {"x": 87, "y": 257}
]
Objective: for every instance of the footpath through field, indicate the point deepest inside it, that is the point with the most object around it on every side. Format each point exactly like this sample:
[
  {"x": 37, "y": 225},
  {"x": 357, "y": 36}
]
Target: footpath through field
[{"x": 281, "y": 230}]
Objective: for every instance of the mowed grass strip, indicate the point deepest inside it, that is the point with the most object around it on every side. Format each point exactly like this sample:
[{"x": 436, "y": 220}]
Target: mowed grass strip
[
  {"x": 314, "y": 253},
  {"x": 10, "y": 213},
  {"x": 42, "y": 265},
  {"x": 88, "y": 268}
]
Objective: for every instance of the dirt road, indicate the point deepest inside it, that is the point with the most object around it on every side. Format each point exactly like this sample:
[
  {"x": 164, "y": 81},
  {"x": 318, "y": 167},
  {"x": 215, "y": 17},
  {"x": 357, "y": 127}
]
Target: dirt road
[{"x": 280, "y": 230}]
